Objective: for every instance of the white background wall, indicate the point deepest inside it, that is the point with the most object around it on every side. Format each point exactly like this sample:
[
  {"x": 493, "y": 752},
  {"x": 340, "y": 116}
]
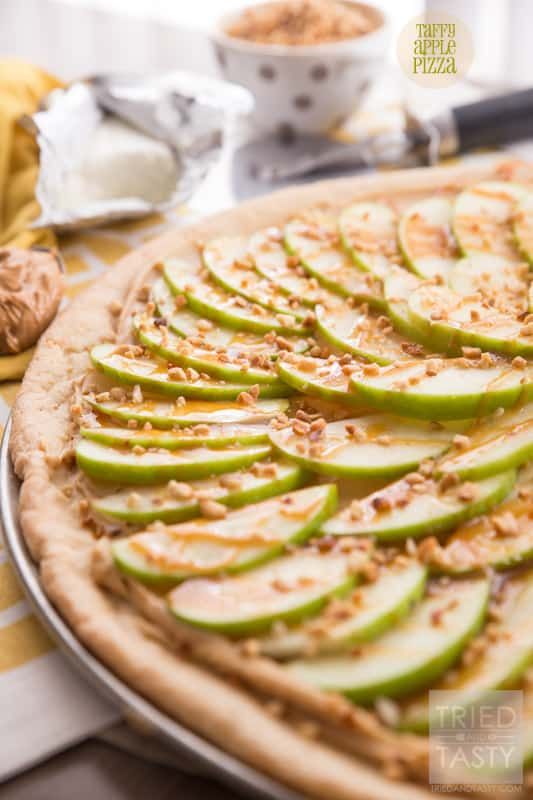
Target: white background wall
[
  {"x": 77, "y": 37},
  {"x": 74, "y": 37}
]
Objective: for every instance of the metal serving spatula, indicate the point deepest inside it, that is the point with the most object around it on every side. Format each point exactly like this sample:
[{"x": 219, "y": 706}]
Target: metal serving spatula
[{"x": 495, "y": 121}]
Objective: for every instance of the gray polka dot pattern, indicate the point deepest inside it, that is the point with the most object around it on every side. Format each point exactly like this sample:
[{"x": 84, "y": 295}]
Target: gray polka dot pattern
[
  {"x": 319, "y": 72},
  {"x": 302, "y": 102},
  {"x": 267, "y": 72}
]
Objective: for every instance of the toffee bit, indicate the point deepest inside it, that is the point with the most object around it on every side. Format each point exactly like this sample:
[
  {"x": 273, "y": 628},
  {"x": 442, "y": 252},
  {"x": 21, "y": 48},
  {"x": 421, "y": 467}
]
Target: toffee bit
[
  {"x": 468, "y": 492},
  {"x": 143, "y": 293},
  {"x": 487, "y": 360},
  {"x": 201, "y": 430},
  {"x": 117, "y": 393},
  {"x": 281, "y": 586},
  {"x": 355, "y": 432},
  {"x": 303, "y": 415},
  {"x": 471, "y": 352},
  {"x": 426, "y": 467},
  {"x": 115, "y": 307},
  {"x": 413, "y": 478},
  {"x": 506, "y": 524},
  {"x": 264, "y": 470},
  {"x": 412, "y": 349},
  {"x": 230, "y": 481},
  {"x": 212, "y": 510},
  {"x": 137, "y": 395},
  {"x": 460, "y": 441},
  {"x": 432, "y": 368},
  {"x": 427, "y": 549},
  {"x": 179, "y": 491},
  {"x": 448, "y": 481},
  {"x": 300, "y": 428},
  {"x": 245, "y": 399},
  {"x": 370, "y": 369},
  {"x": 382, "y": 503},
  {"x": 134, "y": 500}
]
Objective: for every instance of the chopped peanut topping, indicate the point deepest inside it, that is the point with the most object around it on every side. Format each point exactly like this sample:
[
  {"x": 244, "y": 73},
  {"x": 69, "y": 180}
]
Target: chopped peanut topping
[
  {"x": 506, "y": 524},
  {"x": 460, "y": 441},
  {"x": 212, "y": 510},
  {"x": 179, "y": 491}
]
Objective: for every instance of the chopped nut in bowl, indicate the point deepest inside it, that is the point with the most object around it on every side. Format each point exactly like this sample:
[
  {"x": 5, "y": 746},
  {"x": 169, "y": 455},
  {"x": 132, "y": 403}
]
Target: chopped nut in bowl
[{"x": 308, "y": 62}]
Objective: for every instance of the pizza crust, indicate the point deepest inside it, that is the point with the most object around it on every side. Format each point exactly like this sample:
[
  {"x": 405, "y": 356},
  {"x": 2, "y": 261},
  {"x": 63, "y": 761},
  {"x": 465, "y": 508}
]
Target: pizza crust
[{"x": 126, "y": 627}]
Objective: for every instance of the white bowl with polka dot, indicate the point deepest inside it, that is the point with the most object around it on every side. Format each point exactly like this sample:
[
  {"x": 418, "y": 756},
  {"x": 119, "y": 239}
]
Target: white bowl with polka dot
[{"x": 304, "y": 88}]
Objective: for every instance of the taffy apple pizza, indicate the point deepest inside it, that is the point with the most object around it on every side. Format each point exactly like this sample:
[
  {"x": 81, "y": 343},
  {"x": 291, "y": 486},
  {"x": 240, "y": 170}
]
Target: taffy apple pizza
[{"x": 276, "y": 470}]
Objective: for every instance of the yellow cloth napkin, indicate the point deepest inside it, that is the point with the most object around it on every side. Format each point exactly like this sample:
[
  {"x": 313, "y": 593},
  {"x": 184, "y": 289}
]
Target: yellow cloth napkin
[{"x": 22, "y": 87}]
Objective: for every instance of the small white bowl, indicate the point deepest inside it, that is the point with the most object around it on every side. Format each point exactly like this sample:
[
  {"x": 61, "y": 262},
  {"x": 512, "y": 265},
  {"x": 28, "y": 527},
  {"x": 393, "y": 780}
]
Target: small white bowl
[{"x": 305, "y": 88}]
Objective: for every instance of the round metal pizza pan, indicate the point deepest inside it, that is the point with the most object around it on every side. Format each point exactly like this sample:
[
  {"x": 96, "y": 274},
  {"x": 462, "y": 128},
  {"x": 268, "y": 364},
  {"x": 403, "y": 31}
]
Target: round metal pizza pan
[{"x": 201, "y": 754}]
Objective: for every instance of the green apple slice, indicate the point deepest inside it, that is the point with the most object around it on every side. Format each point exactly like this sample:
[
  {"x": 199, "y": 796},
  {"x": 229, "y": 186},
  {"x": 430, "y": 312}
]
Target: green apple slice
[
  {"x": 368, "y": 233},
  {"x": 319, "y": 377},
  {"x": 373, "y": 609},
  {"x": 235, "y": 489},
  {"x": 497, "y": 280},
  {"x": 215, "y": 436},
  {"x": 452, "y": 321},
  {"x": 501, "y": 664},
  {"x": 232, "y": 342},
  {"x": 443, "y": 389},
  {"x": 482, "y": 215},
  {"x": 398, "y": 288},
  {"x": 523, "y": 226},
  {"x": 289, "y": 589},
  {"x": 272, "y": 262},
  {"x": 501, "y": 442},
  {"x": 169, "y": 414},
  {"x": 404, "y": 509},
  {"x": 123, "y": 466},
  {"x": 315, "y": 242},
  {"x": 360, "y": 332},
  {"x": 229, "y": 366},
  {"x": 231, "y": 267},
  {"x": 426, "y": 239},
  {"x": 411, "y": 656},
  {"x": 152, "y": 375},
  {"x": 233, "y": 311},
  {"x": 368, "y": 446},
  {"x": 498, "y": 540},
  {"x": 245, "y": 538}
]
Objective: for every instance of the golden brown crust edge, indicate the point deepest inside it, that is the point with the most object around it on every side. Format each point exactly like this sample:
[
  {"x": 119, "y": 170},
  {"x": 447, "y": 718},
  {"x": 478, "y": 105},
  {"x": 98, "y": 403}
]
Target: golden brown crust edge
[{"x": 114, "y": 631}]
